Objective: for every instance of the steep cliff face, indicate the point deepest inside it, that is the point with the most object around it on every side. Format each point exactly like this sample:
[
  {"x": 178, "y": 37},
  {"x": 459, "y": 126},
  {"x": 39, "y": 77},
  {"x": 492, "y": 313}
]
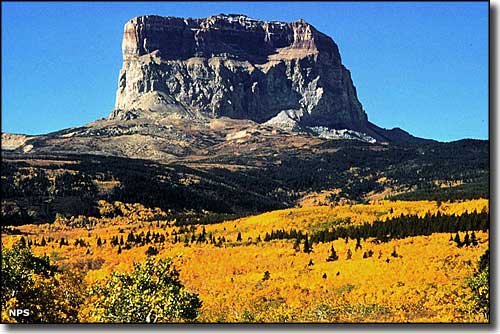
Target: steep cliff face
[
  {"x": 285, "y": 74},
  {"x": 192, "y": 89}
]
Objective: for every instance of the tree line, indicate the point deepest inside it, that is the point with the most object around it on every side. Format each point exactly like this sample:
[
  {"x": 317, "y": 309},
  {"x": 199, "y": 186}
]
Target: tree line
[{"x": 395, "y": 228}]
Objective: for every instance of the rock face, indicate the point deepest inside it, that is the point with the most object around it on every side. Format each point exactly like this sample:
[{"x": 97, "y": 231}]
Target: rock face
[
  {"x": 230, "y": 65},
  {"x": 192, "y": 89}
]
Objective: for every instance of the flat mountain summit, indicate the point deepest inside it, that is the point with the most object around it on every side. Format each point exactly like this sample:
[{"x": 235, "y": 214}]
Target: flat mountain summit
[{"x": 191, "y": 87}]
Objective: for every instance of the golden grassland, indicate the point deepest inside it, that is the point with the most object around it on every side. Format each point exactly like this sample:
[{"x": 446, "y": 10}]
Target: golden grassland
[{"x": 424, "y": 282}]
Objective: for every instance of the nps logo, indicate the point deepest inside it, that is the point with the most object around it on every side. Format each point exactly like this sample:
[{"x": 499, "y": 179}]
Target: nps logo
[{"x": 17, "y": 312}]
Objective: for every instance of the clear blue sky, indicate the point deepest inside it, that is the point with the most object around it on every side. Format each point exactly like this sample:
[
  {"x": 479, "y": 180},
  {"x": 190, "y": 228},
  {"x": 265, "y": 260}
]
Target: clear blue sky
[{"x": 419, "y": 66}]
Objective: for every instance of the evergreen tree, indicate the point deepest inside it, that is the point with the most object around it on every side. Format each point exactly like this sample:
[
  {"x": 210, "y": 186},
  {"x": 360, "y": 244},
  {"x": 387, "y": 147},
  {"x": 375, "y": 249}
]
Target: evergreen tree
[
  {"x": 394, "y": 253},
  {"x": 151, "y": 251},
  {"x": 358, "y": 243},
  {"x": 473, "y": 239},
  {"x": 333, "y": 255},
  {"x": 307, "y": 246},
  {"x": 131, "y": 237},
  {"x": 349, "y": 254},
  {"x": 466, "y": 239},
  {"x": 238, "y": 238},
  {"x": 457, "y": 240}
]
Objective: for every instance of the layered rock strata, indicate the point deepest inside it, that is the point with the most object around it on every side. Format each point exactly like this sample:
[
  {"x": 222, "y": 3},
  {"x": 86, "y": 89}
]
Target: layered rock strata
[{"x": 234, "y": 66}]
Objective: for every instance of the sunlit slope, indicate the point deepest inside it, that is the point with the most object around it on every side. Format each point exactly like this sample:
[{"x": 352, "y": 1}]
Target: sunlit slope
[
  {"x": 312, "y": 219},
  {"x": 415, "y": 279}
]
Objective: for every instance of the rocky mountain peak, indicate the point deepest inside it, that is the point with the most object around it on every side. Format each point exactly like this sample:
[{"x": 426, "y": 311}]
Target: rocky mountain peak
[
  {"x": 217, "y": 86},
  {"x": 228, "y": 35},
  {"x": 235, "y": 66}
]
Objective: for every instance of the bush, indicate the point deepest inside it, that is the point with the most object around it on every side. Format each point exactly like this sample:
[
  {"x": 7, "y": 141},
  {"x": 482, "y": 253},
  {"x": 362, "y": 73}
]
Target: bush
[
  {"x": 152, "y": 292},
  {"x": 31, "y": 282},
  {"x": 479, "y": 284}
]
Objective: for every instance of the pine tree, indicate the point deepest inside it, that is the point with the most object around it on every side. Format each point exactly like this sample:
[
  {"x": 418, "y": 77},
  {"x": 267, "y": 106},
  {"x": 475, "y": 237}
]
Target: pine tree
[
  {"x": 151, "y": 251},
  {"x": 358, "y": 243},
  {"x": 394, "y": 253},
  {"x": 473, "y": 239},
  {"x": 99, "y": 242},
  {"x": 467, "y": 239},
  {"x": 238, "y": 238},
  {"x": 333, "y": 255},
  {"x": 349, "y": 254},
  {"x": 457, "y": 240},
  {"x": 131, "y": 237},
  {"x": 307, "y": 247}
]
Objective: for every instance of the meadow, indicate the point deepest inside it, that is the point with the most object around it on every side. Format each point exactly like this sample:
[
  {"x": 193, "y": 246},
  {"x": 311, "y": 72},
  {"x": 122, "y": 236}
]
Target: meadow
[{"x": 242, "y": 276}]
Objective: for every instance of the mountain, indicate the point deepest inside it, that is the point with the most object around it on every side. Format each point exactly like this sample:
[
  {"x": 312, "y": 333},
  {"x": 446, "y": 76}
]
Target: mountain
[
  {"x": 192, "y": 86},
  {"x": 287, "y": 75},
  {"x": 231, "y": 115}
]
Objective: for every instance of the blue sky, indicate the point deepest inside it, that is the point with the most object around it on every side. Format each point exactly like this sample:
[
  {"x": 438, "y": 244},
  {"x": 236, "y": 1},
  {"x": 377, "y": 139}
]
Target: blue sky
[{"x": 421, "y": 66}]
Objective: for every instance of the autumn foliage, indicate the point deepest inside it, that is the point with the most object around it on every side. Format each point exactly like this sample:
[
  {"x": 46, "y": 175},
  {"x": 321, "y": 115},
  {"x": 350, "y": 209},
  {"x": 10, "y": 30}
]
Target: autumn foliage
[{"x": 230, "y": 272}]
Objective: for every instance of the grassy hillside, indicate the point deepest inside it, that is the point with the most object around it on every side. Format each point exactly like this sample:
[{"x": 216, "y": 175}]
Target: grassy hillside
[{"x": 240, "y": 277}]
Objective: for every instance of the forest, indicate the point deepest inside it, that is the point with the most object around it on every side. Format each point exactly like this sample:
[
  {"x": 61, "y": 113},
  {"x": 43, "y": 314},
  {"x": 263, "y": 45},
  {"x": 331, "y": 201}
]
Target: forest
[
  {"x": 37, "y": 188},
  {"x": 382, "y": 261}
]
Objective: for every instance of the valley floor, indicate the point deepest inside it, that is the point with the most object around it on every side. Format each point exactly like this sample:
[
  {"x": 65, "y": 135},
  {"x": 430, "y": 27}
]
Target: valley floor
[{"x": 240, "y": 277}]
